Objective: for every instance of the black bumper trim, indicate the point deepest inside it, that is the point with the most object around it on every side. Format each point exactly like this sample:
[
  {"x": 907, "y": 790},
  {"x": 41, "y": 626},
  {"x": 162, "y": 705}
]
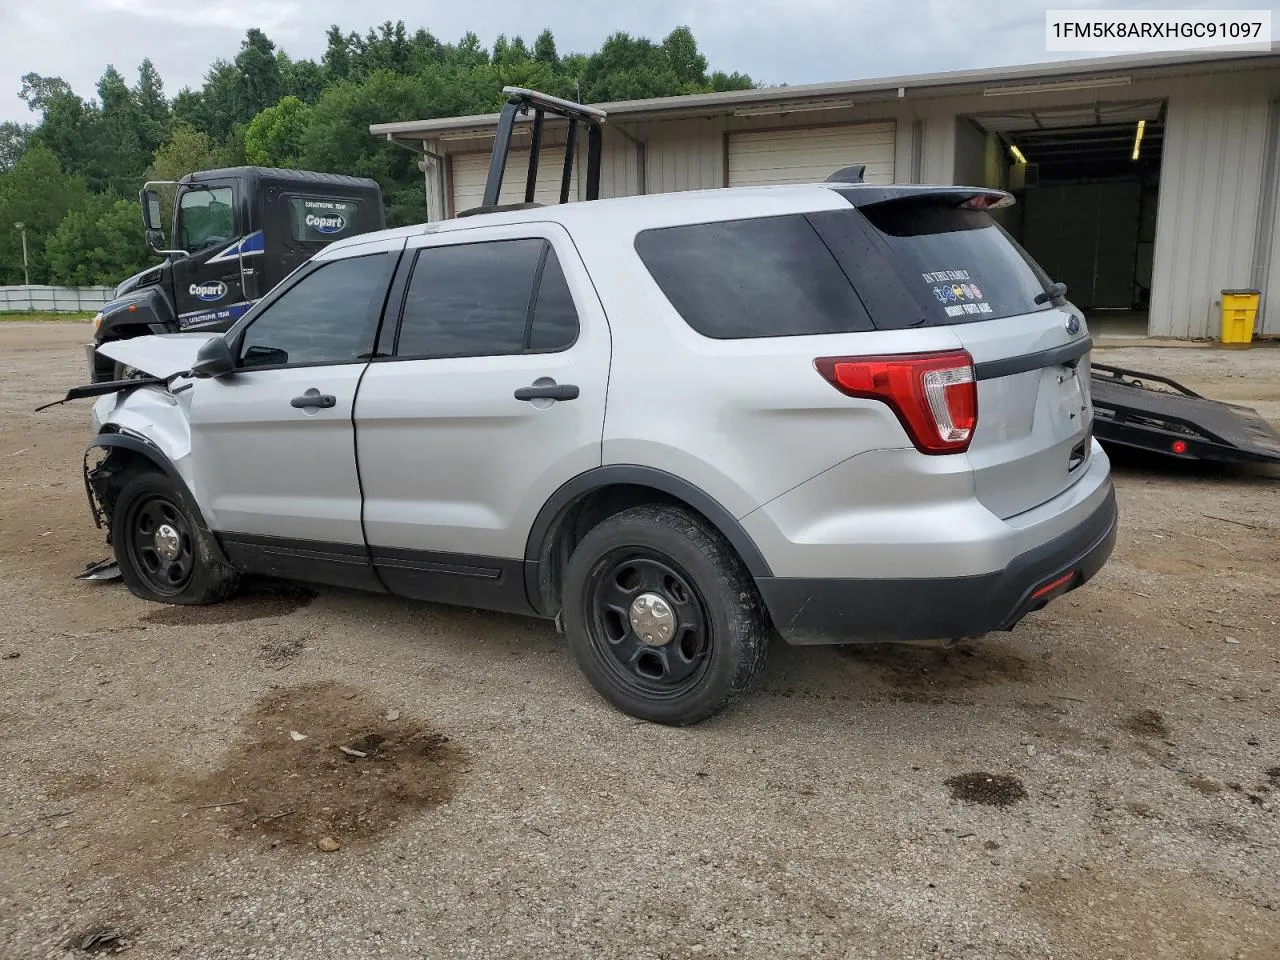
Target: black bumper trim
[{"x": 821, "y": 611}]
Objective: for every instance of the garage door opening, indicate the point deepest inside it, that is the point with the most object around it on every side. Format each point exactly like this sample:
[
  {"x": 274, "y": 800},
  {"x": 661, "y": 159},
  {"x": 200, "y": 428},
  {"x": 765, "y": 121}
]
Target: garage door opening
[{"x": 1087, "y": 181}]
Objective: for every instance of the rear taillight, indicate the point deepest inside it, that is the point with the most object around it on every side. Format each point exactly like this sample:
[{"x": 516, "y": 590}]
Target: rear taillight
[{"x": 934, "y": 395}]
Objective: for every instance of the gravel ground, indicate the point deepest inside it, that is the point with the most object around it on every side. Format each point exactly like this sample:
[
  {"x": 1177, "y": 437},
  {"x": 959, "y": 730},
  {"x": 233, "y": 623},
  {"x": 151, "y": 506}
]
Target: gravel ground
[{"x": 1101, "y": 783}]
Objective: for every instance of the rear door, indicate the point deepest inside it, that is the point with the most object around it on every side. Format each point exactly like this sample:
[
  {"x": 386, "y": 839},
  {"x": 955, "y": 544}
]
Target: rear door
[
  {"x": 494, "y": 398},
  {"x": 962, "y": 271}
]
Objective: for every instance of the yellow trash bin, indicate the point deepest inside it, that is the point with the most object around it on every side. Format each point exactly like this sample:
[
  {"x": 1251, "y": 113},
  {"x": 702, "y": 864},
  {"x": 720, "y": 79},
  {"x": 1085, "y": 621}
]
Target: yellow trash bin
[{"x": 1239, "y": 312}]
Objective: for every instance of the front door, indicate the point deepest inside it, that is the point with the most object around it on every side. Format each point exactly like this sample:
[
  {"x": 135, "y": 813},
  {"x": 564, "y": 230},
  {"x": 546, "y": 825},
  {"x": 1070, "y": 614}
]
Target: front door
[
  {"x": 209, "y": 285},
  {"x": 494, "y": 398},
  {"x": 272, "y": 445}
]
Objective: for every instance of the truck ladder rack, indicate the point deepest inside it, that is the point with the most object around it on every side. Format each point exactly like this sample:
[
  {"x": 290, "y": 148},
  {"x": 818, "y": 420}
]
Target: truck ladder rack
[{"x": 520, "y": 102}]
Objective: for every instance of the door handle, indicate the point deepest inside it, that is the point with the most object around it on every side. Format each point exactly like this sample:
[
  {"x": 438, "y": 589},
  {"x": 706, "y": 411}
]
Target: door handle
[
  {"x": 551, "y": 391},
  {"x": 314, "y": 398}
]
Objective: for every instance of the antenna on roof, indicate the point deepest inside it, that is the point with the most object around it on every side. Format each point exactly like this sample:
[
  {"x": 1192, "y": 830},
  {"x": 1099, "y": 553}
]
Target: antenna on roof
[
  {"x": 851, "y": 174},
  {"x": 519, "y": 103}
]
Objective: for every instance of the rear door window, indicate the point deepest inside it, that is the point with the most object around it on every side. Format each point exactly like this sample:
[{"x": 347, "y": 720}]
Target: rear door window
[
  {"x": 742, "y": 279},
  {"x": 487, "y": 299},
  {"x": 959, "y": 265}
]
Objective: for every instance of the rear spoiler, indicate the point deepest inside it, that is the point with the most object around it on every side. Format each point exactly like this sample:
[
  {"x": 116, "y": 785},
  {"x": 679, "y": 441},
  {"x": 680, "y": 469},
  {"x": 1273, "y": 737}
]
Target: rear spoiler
[{"x": 976, "y": 198}]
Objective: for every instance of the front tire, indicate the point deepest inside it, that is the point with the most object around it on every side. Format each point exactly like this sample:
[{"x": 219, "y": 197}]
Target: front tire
[
  {"x": 662, "y": 617},
  {"x": 164, "y": 553}
]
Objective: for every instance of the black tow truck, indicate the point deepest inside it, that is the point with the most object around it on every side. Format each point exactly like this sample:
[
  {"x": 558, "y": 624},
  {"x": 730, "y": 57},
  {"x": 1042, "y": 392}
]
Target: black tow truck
[{"x": 236, "y": 233}]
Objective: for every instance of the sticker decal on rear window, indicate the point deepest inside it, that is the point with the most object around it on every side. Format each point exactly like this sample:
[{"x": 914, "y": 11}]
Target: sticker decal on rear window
[{"x": 958, "y": 299}]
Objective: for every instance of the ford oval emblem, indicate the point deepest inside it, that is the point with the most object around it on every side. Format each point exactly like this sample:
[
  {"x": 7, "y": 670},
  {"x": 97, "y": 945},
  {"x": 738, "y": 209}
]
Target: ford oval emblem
[{"x": 1073, "y": 324}]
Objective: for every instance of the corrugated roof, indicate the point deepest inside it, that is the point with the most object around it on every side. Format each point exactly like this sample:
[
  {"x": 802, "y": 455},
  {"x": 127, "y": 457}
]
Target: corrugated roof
[{"x": 716, "y": 102}]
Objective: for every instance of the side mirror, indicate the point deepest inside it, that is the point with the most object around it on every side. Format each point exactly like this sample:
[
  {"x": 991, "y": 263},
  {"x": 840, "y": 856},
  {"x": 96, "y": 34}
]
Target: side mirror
[
  {"x": 151, "y": 211},
  {"x": 214, "y": 359}
]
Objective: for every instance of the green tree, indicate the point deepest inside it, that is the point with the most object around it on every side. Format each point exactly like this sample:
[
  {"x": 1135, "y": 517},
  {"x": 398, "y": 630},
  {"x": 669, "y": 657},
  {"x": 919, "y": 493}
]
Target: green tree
[
  {"x": 544, "y": 50},
  {"x": 148, "y": 94},
  {"x": 100, "y": 243},
  {"x": 186, "y": 151},
  {"x": 337, "y": 141},
  {"x": 258, "y": 83},
  {"x": 38, "y": 194},
  {"x": 336, "y": 61},
  {"x": 212, "y": 108},
  {"x": 13, "y": 143},
  {"x": 121, "y": 131},
  {"x": 274, "y": 137},
  {"x": 68, "y": 126},
  {"x": 304, "y": 79}
]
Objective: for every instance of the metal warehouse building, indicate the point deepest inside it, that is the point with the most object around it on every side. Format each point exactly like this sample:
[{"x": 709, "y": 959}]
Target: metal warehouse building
[{"x": 1147, "y": 184}]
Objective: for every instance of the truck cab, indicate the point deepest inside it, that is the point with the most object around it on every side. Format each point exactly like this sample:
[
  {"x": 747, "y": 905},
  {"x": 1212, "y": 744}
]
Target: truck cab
[{"x": 236, "y": 233}]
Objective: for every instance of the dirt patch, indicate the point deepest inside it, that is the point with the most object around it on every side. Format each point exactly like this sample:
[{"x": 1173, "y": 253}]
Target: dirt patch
[
  {"x": 916, "y": 669},
  {"x": 1147, "y": 723},
  {"x": 274, "y": 786},
  {"x": 1205, "y": 785},
  {"x": 989, "y": 789},
  {"x": 276, "y": 653},
  {"x": 259, "y": 601}
]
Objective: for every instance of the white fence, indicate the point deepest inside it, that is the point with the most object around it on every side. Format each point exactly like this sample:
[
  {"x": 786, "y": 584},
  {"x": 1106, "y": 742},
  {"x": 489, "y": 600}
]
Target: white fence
[{"x": 54, "y": 299}]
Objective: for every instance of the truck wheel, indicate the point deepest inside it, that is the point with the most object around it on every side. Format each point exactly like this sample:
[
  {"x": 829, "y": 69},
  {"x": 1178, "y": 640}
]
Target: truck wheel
[
  {"x": 163, "y": 553},
  {"x": 662, "y": 617}
]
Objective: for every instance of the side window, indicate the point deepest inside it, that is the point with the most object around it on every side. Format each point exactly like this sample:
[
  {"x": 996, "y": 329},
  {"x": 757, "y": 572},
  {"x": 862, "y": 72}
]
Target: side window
[
  {"x": 555, "y": 319},
  {"x": 329, "y": 316},
  {"x": 206, "y": 218},
  {"x": 743, "y": 279},
  {"x": 487, "y": 299}
]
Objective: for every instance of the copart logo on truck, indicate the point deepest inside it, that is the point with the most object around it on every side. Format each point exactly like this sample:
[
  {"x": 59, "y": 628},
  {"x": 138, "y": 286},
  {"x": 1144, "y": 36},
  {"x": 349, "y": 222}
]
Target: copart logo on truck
[
  {"x": 333, "y": 223},
  {"x": 209, "y": 292}
]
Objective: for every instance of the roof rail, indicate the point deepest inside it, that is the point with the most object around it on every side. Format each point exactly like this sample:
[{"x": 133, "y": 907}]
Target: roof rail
[{"x": 520, "y": 102}]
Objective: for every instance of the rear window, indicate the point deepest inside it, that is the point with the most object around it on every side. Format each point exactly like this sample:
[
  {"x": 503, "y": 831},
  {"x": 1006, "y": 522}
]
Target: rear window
[
  {"x": 315, "y": 220},
  {"x": 959, "y": 265},
  {"x": 740, "y": 279}
]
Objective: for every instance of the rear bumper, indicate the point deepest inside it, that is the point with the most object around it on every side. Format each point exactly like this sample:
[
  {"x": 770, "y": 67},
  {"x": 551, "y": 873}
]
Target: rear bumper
[{"x": 816, "y": 611}]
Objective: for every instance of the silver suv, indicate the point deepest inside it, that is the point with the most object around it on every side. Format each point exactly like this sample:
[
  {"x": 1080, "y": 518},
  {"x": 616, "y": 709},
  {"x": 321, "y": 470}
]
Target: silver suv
[{"x": 679, "y": 425}]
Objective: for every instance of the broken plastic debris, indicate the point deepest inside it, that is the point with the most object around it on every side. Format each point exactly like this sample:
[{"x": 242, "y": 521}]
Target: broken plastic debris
[{"x": 296, "y": 735}]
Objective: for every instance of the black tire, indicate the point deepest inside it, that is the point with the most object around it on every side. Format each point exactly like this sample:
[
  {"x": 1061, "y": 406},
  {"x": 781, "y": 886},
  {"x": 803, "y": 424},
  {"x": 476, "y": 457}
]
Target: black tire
[
  {"x": 194, "y": 575},
  {"x": 718, "y": 630}
]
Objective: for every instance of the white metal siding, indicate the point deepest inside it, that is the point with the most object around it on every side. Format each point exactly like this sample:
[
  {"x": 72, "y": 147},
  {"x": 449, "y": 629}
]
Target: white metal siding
[
  {"x": 760, "y": 158},
  {"x": 471, "y": 170},
  {"x": 1210, "y": 187}
]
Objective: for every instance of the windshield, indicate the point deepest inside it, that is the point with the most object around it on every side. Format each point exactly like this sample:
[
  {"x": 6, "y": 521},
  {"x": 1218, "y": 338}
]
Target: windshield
[{"x": 206, "y": 218}]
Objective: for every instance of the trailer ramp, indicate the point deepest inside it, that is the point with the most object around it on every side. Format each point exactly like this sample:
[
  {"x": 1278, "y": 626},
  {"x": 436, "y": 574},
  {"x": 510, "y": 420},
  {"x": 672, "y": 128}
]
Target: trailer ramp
[{"x": 1146, "y": 411}]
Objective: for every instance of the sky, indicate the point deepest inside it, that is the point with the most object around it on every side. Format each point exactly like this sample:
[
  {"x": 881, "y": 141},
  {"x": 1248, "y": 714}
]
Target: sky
[{"x": 775, "y": 41}]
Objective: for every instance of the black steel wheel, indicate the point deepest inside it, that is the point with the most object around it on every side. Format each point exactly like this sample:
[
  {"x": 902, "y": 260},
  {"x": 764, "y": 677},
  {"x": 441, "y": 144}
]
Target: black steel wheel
[
  {"x": 160, "y": 544},
  {"x": 649, "y": 622},
  {"x": 163, "y": 552},
  {"x": 662, "y": 617}
]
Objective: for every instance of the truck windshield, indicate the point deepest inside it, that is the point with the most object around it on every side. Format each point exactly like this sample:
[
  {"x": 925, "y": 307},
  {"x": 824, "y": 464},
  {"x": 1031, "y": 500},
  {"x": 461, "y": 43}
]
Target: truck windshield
[{"x": 206, "y": 218}]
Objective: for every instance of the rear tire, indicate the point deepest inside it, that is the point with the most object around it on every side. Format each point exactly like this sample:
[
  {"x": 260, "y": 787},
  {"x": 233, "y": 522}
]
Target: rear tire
[
  {"x": 163, "y": 551},
  {"x": 662, "y": 617}
]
